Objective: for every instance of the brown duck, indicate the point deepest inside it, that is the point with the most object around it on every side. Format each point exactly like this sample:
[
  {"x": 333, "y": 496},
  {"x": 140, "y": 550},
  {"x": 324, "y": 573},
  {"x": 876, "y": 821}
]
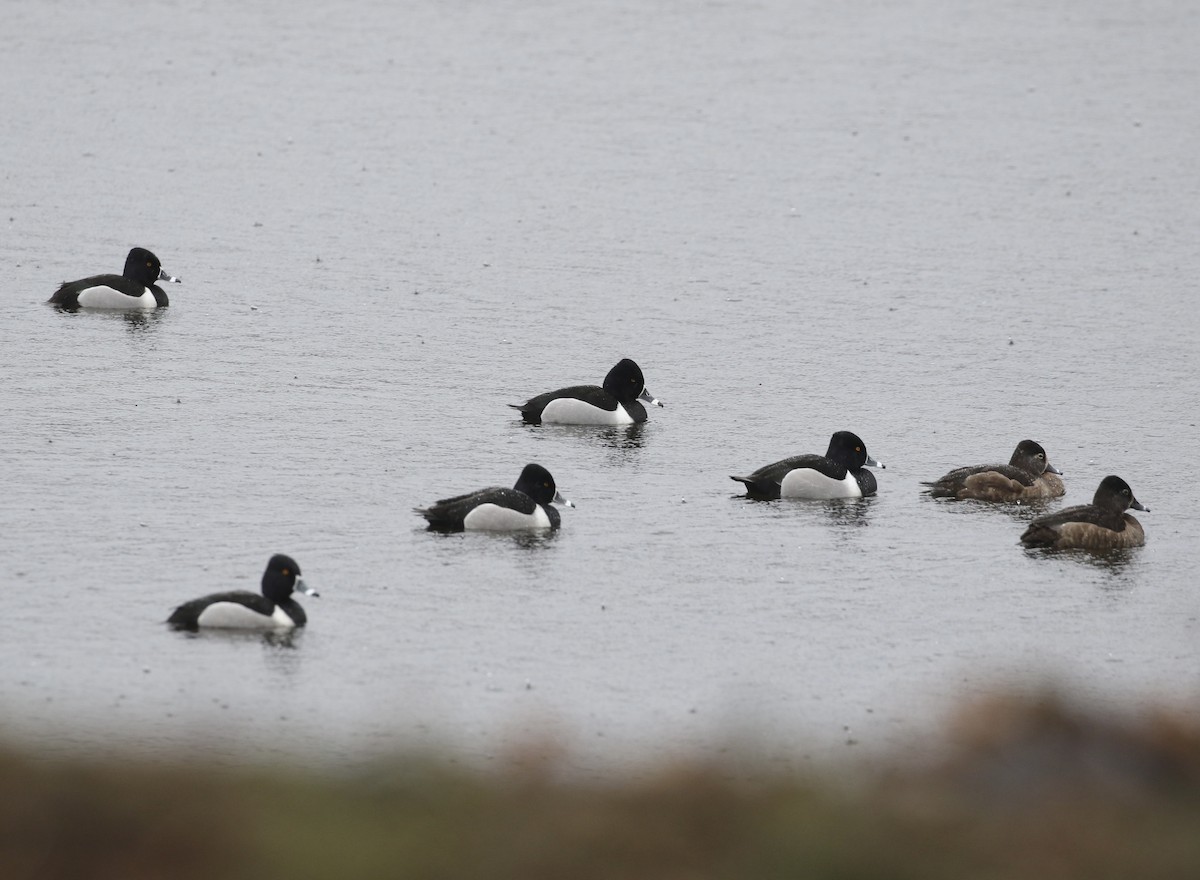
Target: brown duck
[
  {"x": 1101, "y": 525},
  {"x": 1028, "y": 476}
]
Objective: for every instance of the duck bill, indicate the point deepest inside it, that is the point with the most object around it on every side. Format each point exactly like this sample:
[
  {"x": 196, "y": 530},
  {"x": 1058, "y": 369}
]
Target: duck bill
[
  {"x": 870, "y": 462},
  {"x": 1137, "y": 505},
  {"x": 559, "y": 498},
  {"x": 1051, "y": 469},
  {"x": 163, "y": 276},
  {"x": 649, "y": 398},
  {"x": 302, "y": 587}
]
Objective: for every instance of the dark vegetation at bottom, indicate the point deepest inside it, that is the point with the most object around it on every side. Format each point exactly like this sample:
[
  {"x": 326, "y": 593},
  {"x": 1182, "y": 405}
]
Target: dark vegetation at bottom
[{"x": 1017, "y": 789}]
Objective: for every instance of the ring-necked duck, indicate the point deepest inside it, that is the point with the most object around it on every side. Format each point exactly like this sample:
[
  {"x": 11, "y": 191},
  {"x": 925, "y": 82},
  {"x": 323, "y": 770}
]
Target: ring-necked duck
[
  {"x": 617, "y": 402},
  {"x": 836, "y": 474},
  {"x": 135, "y": 288},
  {"x": 1027, "y": 476},
  {"x": 241, "y": 609},
  {"x": 1101, "y": 525},
  {"x": 525, "y": 506}
]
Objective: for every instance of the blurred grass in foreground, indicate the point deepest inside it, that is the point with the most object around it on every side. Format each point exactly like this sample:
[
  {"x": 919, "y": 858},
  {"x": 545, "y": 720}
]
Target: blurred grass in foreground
[{"x": 1019, "y": 789}]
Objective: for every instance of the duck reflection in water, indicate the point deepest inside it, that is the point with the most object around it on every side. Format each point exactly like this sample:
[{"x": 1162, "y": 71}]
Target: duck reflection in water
[
  {"x": 141, "y": 321},
  {"x": 613, "y": 436},
  {"x": 287, "y": 639},
  {"x": 535, "y": 539},
  {"x": 532, "y": 540},
  {"x": 848, "y": 511},
  {"x": 623, "y": 437},
  {"x": 281, "y": 638},
  {"x": 135, "y": 320}
]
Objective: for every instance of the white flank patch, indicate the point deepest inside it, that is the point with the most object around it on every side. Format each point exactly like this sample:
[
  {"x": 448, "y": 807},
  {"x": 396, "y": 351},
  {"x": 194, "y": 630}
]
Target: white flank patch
[
  {"x": 107, "y": 298},
  {"x": 231, "y": 615},
  {"x": 569, "y": 411},
  {"x": 493, "y": 517},
  {"x": 807, "y": 483}
]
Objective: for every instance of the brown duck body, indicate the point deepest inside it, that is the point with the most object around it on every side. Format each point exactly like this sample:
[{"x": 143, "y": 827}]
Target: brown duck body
[
  {"x": 1028, "y": 476},
  {"x": 1052, "y": 485},
  {"x": 1101, "y": 525},
  {"x": 1000, "y": 482},
  {"x": 1080, "y": 527}
]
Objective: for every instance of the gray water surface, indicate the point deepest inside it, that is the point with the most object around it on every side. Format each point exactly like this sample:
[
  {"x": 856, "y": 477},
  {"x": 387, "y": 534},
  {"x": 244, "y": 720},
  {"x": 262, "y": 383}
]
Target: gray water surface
[{"x": 944, "y": 228}]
